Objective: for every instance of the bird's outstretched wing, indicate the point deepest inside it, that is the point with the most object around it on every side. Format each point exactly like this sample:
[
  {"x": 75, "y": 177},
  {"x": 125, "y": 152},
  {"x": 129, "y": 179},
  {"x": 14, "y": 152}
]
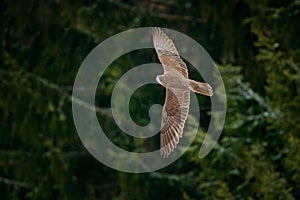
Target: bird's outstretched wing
[
  {"x": 167, "y": 53},
  {"x": 174, "y": 115}
]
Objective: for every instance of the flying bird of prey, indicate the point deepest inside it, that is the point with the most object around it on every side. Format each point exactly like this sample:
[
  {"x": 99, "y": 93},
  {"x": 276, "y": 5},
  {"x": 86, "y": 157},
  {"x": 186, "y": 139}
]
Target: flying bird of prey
[{"x": 178, "y": 85}]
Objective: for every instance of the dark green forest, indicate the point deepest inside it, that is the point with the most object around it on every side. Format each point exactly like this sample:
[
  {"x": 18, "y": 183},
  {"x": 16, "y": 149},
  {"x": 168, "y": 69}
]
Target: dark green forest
[{"x": 256, "y": 47}]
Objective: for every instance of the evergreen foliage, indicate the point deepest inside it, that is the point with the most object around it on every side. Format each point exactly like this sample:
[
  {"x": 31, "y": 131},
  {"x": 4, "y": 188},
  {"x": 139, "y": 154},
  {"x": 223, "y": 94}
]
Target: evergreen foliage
[{"x": 257, "y": 46}]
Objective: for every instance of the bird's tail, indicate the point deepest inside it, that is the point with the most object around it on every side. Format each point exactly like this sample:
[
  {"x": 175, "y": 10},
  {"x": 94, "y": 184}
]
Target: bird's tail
[{"x": 201, "y": 88}]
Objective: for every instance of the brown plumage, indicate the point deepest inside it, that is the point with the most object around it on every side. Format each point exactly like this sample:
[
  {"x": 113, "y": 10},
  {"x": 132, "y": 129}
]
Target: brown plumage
[{"x": 178, "y": 85}]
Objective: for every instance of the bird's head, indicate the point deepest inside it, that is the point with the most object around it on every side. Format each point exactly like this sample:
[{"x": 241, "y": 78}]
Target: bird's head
[{"x": 160, "y": 79}]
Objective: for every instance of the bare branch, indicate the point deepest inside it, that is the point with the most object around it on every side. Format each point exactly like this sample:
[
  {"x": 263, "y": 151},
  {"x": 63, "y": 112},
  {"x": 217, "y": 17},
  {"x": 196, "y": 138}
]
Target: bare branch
[
  {"x": 181, "y": 17},
  {"x": 160, "y": 14},
  {"x": 13, "y": 182}
]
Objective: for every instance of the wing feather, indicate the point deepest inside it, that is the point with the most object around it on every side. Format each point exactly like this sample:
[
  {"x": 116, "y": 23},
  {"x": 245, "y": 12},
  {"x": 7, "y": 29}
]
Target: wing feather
[
  {"x": 174, "y": 115},
  {"x": 168, "y": 54}
]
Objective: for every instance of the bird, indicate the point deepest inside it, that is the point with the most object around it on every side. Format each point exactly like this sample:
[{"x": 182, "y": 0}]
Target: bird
[{"x": 176, "y": 81}]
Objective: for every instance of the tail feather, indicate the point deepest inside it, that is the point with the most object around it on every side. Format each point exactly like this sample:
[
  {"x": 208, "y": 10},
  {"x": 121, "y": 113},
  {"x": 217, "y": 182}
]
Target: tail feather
[{"x": 201, "y": 88}]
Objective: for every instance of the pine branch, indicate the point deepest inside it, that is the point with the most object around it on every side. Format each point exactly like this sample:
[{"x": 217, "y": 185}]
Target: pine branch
[
  {"x": 71, "y": 98},
  {"x": 250, "y": 94},
  {"x": 50, "y": 85}
]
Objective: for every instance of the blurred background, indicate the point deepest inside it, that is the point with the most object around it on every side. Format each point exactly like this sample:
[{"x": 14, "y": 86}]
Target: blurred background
[{"x": 256, "y": 46}]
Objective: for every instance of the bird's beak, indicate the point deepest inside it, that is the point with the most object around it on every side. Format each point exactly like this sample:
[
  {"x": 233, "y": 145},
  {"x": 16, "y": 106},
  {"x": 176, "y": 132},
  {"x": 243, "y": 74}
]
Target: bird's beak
[{"x": 157, "y": 79}]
